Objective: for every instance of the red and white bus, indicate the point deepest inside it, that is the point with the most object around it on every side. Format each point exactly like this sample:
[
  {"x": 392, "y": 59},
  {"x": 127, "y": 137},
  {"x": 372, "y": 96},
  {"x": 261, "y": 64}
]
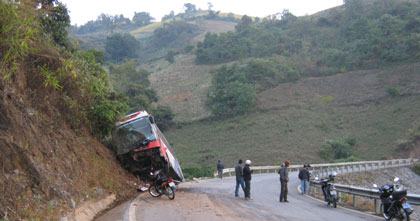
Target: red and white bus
[{"x": 142, "y": 148}]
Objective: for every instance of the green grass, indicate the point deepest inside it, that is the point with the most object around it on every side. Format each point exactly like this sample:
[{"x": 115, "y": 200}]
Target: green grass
[
  {"x": 269, "y": 137},
  {"x": 416, "y": 168}
]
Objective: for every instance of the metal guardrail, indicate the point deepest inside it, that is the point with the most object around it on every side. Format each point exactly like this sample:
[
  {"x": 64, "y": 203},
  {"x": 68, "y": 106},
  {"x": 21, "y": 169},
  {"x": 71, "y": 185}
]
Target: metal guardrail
[
  {"x": 322, "y": 170},
  {"x": 368, "y": 193}
]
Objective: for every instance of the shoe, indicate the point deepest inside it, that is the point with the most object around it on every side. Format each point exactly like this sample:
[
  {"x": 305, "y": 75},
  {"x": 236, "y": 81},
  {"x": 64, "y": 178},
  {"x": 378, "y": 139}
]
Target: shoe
[
  {"x": 236, "y": 195},
  {"x": 286, "y": 201}
]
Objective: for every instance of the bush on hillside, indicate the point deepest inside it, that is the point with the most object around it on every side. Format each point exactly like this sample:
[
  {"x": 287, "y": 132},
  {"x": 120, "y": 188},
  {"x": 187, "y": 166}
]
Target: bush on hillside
[
  {"x": 230, "y": 94},
  {"x": 416, "y": 168},
  {"x": 119, "y": 47},
  {"x": 164, "y": 117},
  {"x": 337, "y": 149},
  {"x": 393, "y": 91},
  {"x": 197, "y": 172},
  {"x": 173, "y": 33},
  {"x": 134, "y": 84},
  {"x": 366, "y": 34},
  {"x": 170, "y": 56},
  {"x": 83, "y": 85}
]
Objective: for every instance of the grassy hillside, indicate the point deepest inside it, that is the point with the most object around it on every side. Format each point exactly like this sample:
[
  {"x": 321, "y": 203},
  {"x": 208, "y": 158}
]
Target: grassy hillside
[{"x": 295, "y": 119}]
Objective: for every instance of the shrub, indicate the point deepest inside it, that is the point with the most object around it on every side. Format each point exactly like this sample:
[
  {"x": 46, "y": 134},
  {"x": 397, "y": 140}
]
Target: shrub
[
  {"x": 341, "y": 148},
  {"x": 164, "y": 117},
  {"x": 393, "y": 91},
  {"x": 119, "y": 47},
  {"x": 230, "y": 93},
  {"x": 416, "y": 168},
  {"x": 196, "y": 172},
  {"x": 16, "y": 34},
  {"x": 188, "y": 48},
  {"x": 170, "y": 56}
]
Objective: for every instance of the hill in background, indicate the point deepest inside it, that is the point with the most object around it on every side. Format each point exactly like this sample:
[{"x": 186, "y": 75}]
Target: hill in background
[{"x": 347, "y": 73}]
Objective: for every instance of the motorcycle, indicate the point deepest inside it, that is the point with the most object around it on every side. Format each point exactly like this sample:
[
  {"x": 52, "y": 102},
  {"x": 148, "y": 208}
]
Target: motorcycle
[
  {"x": 162, "y": 185},
  {"x": 329, "y": 190},
  {"x": 394, "y": 201}
]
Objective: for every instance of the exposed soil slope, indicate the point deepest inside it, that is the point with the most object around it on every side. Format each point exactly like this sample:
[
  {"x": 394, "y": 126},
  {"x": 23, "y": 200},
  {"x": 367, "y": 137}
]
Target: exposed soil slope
[{"x": 47, "y": 168}]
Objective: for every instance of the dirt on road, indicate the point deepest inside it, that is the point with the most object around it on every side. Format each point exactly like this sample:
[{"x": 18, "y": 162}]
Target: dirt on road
[{"x": 190, "y": 204}]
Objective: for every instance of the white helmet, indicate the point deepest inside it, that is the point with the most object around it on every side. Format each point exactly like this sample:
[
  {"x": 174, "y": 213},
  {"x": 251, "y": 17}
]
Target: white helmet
[
  {"x": 248, "y": 162},
  {"x": 334, "y": 174}
]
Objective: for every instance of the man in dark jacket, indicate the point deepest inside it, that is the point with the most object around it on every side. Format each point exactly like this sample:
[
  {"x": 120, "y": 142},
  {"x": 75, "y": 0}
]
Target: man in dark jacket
[
  {"x": 239, "y": 178},
  {"x": 247, "y": 178},
  {"x": 304, "y": 176},
  {"x": 284, "y": 179},
  {"x": 220, "y": 168}
]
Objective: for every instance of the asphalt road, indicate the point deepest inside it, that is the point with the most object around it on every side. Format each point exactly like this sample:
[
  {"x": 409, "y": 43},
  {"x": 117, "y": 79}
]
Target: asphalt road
[{"x": 214, "y": 200}]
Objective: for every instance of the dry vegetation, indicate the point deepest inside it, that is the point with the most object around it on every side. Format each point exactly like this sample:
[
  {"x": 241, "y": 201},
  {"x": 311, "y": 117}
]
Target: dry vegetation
[{"x": 295, "y": 119}]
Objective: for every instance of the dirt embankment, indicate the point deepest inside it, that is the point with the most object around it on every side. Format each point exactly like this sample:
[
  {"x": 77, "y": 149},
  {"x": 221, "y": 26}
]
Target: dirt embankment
[
  {"x": 409, "y": 179},
  {"x": 47, "y": 168}
]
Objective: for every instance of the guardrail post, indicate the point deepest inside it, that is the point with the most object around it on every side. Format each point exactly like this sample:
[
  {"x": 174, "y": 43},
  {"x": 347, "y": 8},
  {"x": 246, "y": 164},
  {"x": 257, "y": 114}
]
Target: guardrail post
[{"x": 354, "y": 201}]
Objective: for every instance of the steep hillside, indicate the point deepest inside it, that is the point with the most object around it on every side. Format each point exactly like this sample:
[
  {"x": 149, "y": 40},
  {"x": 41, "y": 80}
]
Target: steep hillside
[
  {"x": 52, "y": 102},
  {"x": 294, "y": 120},
  {"x": 47, "y": 167}
]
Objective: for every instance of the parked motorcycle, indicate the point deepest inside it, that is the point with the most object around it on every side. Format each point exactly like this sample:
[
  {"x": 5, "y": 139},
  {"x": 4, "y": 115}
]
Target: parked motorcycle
[
  {"x": 394, "y": 201},
  {"x": 329, "y": 190},
  {"x": 162, "y": 185}
]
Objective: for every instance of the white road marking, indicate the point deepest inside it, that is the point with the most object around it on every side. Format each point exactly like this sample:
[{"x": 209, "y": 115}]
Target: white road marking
[{"x": 130, "y": 213}]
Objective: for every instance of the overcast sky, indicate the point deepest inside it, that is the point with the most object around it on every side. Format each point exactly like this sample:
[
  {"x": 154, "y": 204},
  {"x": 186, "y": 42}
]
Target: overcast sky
[{"x": 82, "y": 11}]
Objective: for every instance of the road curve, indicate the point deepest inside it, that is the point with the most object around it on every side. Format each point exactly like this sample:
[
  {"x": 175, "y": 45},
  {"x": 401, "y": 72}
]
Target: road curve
[{"x": 214, "y": 200}]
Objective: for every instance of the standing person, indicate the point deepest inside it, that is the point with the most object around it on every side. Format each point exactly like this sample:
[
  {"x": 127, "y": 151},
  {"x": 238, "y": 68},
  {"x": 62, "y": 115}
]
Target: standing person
[
  {"x": 304, "y": 177},
  {"x": 247, "y": 178},
  {"x": 284, "y": 179},
  {"x": 239, "y": 178},
  {"x": 220, "y": 168}
]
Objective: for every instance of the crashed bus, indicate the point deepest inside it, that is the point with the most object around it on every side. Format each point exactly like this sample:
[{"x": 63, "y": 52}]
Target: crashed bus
[{"x": 142, "y": 148}]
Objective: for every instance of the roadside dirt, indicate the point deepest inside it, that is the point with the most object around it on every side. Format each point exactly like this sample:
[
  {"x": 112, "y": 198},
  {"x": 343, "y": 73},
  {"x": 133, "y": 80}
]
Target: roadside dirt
[{"x": 190, "y": 204}]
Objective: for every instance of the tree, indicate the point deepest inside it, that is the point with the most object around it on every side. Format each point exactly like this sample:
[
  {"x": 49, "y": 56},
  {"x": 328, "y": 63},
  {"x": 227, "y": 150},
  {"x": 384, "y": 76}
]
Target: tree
[
  {"x": 55, "y": 20},
  {"x": 170, "y": 56},
  {"x": 171, "y": 15},
  {"x": 230, "y": 93},
  {"x": 189, "y": 8},
  {"x": 120, "y": 46},
  {"x": 142, "y": 18},
  {"x": 134, "y": 84},
  {"x": 245, "y": 22},
  {"x": 164, "y": 117}
]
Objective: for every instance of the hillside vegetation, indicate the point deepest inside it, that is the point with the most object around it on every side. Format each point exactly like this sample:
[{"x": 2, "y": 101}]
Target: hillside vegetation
[
  {"x": 294, "y": 120},
  {"x": 56, "y": 104},
  {"x": 344, "y": 79}
]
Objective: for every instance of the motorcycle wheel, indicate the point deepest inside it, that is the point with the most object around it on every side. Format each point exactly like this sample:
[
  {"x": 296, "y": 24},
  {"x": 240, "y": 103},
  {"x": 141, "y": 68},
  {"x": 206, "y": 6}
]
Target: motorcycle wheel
[
  {"x": 401, "y": 216},
  {"x": 170, "y": 192},
  {"x": 153, "y": 191}
]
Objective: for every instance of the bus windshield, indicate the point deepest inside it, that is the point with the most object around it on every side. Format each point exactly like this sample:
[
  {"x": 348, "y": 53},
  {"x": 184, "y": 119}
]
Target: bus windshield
[{"x": 132, "y": 135}]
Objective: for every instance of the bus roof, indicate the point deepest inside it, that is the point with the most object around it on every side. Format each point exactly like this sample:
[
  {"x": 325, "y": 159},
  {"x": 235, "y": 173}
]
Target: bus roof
[{"x": 131, "y": 117}]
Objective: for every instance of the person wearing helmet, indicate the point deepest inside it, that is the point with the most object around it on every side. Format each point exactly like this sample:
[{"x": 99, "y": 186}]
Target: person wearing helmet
[
  {"x": 247, "y": 178},
  {"x": 284, "y": 179}
]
